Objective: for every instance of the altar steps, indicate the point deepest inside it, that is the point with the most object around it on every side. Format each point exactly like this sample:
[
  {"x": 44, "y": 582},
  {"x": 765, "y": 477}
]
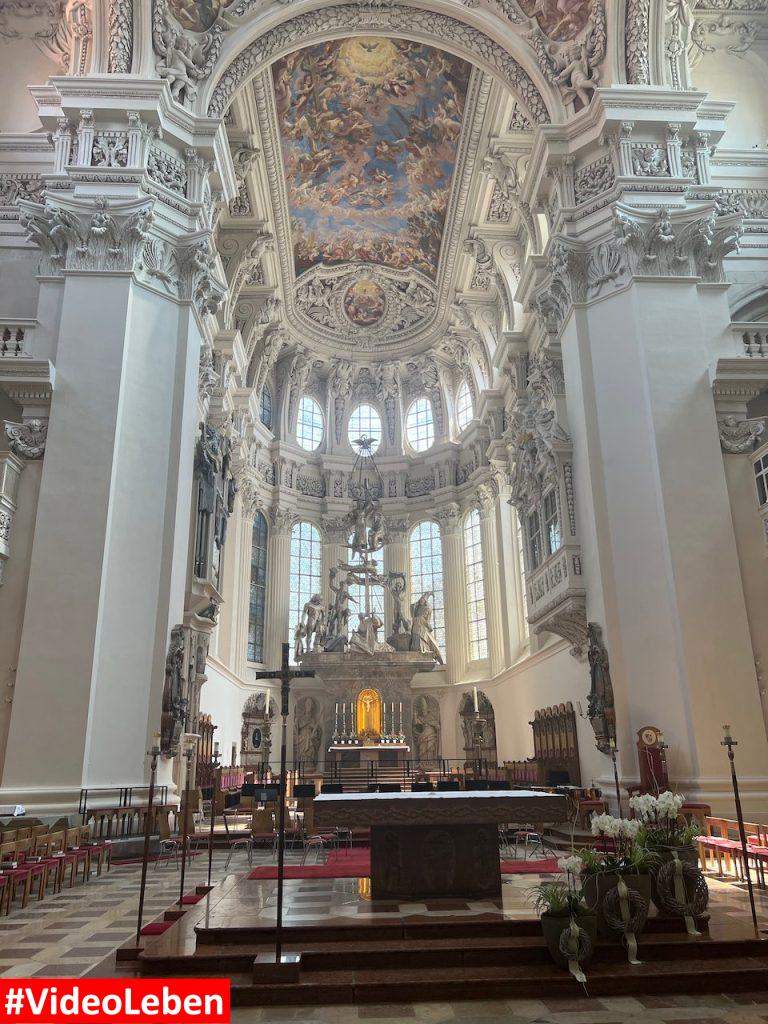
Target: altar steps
[{"x": 418, "y": 961}]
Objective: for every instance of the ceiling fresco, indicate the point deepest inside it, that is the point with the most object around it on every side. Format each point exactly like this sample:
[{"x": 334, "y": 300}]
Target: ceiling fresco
[
  {"x": 196, "y": 15},
  {"x": 369, "y": 130},
  {"x": 560, "y": 20}
]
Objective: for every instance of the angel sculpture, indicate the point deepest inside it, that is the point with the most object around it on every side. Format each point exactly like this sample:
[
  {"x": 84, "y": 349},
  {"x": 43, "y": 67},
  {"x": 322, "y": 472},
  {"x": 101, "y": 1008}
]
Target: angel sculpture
[{"x": 574, "y": 70}]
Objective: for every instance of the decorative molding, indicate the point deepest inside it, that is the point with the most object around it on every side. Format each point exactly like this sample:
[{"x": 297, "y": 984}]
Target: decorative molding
[
  {"x": 120, "y": 37},
  {"x": 573, "y": 66},
  {"x": 27, "y": 440},
  {"x": 637, "y": 26},
  {"x": 184, "y": 59},
  {"x": 737, "y": 437},
  {"x": 98, "y": 235},
  {"x": 321, "y": 23},
  {"x": 570, "y": 623},
  {"x": 594, "y": 179}
]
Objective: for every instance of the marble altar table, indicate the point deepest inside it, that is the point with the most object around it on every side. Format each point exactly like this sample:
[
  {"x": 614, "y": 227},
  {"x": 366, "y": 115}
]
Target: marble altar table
[{"x": 436, "y": 844}]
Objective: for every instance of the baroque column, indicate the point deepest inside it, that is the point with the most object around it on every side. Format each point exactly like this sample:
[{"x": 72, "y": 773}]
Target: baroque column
[
  {"x": 278, "y": 575},
  {"x": 489, "y": 505},
  {"x": 396, "y": 560},
  {"x": 450, "y": 519},
  {"x": 335, "y": 550},
  {"x": 113, "y": 514}
]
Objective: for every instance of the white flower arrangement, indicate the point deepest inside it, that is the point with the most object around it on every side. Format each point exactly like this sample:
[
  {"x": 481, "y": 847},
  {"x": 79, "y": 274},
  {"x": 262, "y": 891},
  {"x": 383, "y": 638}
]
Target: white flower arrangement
[
  {"x": 657, "y": 810},
  {"x": 615, "y": 828},
  {"x": 571, "y": 865}
]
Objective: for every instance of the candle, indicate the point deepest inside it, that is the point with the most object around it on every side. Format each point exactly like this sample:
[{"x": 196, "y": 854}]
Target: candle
[
  {"x": 156, "y": 740},
  {"x": 477, "y": 706},
  {"x": 612, "y": 743},
  {"x": 216, "y": 749},
  {"x": 400, "y": 731},
  {"x": 661, "y": 738},
  {"x": 726, "y": 732}
]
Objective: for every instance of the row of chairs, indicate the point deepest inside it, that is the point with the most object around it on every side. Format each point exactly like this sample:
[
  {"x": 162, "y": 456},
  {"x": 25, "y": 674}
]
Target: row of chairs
[
  {"x": 720, "y": 844},
  {"x": 125, "y": 821},
  {"x": 39, "y": 855}
]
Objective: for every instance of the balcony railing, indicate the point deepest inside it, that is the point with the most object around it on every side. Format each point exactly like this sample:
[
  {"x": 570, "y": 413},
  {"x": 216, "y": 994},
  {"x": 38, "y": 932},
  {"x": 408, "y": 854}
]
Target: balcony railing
[
  {"x": 15, "y": 337},
  {"x": 754, "y": 338}
]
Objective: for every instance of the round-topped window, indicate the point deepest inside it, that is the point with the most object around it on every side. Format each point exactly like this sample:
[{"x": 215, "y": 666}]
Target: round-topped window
[
  {"x": 420, "y": 425},
  {"x": 364, "y": 430},
  {"x": 309, "y": 425}
]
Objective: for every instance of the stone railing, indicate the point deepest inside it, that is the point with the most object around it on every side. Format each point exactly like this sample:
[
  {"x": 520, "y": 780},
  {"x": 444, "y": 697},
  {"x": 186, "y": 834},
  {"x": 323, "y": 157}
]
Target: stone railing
[
  {"x": 754, "y": 337},
  {"x": 15, "y": 338}
]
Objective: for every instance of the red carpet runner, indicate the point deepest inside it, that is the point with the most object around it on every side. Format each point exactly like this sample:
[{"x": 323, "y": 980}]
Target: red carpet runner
[{"x": 356, "y": 863}]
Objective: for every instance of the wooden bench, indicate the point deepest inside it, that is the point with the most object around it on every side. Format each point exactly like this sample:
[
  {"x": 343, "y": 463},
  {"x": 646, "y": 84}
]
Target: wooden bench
[{"x": 721, "y": 841}]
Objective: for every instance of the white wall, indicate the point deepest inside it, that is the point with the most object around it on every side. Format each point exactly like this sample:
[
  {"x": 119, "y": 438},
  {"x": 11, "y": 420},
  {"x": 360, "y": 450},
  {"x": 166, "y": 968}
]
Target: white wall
[{"x": 222, "y": 697}]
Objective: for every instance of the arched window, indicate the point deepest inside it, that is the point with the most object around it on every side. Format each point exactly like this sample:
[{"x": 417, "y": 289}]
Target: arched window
[
  {"x": 357, "y": 591},
  {"x": 365, "y": 422},
  {"x": 265, "y": 407},
  {"x": 473, "y": 567},
  {"x": 420, "y": 425},
  {"x": 258, "y": 589},
  {"x": 464, "y": 411},
  {"x": 309, "y": 425},
  {"x": 427, "y": 573},
  {"x": 306, "y": 577}
]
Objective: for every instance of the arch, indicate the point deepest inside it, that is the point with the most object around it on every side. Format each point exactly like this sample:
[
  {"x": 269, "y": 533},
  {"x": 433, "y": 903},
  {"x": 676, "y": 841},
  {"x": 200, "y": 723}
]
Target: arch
[
  {"x": 512, "y": 62},
  {"x": 420, "y": 432},
  {"x": 369, "y": 721}
]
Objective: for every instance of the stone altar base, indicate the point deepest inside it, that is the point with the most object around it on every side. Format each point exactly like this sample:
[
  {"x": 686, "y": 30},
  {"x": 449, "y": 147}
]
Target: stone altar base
[{"x": 427, "y": 861}]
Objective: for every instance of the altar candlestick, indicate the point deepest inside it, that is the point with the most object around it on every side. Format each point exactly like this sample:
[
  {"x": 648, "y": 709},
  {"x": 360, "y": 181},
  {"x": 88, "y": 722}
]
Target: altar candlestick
[
  {"x": 336, "y": 720},
  {"x": 400, "y": 732},
  {"x": 474, "y": 693},
  {"x": 344, "y": 718}
]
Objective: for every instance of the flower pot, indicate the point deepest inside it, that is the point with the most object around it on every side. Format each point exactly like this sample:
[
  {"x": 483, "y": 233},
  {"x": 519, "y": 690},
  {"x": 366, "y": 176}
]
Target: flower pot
[
  {"x": 597, "y": 887},
  {"x": 687, "y": 854},
  {"x": 553, "y": 926}
]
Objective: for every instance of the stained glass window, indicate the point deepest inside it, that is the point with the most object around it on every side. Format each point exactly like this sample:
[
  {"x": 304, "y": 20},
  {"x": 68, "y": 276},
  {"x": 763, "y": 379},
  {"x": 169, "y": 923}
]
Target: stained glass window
[
  {"x": 473, "y": 567},
  {"x": 427, "y": 573},
  {"x": 258, "y": 589},
  {"x": 464, "y": 410},
  {"x": 357, "y": 591},
  {"x": 365, "y": 421},
  {"x": 265, "y": 407},
  {"x": 309, "y": 425},
  {"x": 420, "y": 426},
  {"x": 306, "y": 571}
]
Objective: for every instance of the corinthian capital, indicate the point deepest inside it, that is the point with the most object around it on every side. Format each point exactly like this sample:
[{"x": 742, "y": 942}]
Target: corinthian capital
[
  {"x": 281, "y": 520},
  {"x": 27, "y": 440},
  {"x": 449, "y": 518},
  {"x": 87, "y": 234}
]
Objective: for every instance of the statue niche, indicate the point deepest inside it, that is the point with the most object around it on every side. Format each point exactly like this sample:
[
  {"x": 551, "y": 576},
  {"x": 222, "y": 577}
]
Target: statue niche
[
  {"x": 468, "y": 724},
  {"x": 308, "y": 732}
]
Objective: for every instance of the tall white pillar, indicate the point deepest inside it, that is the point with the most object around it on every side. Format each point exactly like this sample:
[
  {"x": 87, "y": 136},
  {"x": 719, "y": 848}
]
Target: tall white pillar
[
  {"x": 456, "y": 633},
  {"x": 277, "y": 596},
  {"x": 335, "y": 550},
  {"x": 396, "y": 560},
  {"x": 108, "y": 563},
  {"x": 489, "y": 510},
  {"x": 659, "y": 551}
]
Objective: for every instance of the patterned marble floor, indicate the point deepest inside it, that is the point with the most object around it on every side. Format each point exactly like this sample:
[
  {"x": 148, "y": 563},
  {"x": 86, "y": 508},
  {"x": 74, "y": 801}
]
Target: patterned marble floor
[{"x": 77, "y": 932}]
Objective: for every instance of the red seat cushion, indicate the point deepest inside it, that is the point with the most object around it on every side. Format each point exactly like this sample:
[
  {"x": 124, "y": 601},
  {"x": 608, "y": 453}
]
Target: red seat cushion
[{"x": 156, "y": 927}]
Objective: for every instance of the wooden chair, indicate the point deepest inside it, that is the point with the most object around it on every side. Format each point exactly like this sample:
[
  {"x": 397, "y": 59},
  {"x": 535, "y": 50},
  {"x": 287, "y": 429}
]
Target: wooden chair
[
  {"x": 26, "y": 872},
  {"x": 100, "y": 850},
  {"x": 169, "y": 845}
]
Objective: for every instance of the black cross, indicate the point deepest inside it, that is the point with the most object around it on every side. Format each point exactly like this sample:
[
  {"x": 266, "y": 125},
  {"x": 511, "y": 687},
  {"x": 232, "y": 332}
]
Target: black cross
[{"x": 285, "y": 675}]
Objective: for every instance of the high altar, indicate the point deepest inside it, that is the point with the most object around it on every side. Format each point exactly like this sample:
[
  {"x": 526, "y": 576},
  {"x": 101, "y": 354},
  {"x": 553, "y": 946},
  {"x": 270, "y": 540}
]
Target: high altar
[{"x": 361, "y": 706}]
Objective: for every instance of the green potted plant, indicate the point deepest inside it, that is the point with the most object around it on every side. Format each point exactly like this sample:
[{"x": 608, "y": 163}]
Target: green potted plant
[
  {"x": 662, "y": 834},
  {"x": 616, "y": 878},
  {"x": 569, "y": 928}
]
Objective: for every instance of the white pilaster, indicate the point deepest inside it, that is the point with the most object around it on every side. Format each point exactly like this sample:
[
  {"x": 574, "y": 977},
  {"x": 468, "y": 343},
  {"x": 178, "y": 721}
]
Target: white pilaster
[
  {"x": 450, "y": 520},
  {"x": 278, "y": 572},
  {"x": 492, "y": 583}
]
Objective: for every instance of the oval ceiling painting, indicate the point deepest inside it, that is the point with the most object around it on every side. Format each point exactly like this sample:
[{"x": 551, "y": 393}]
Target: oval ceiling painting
[
  {"x": 364, "y": 302},
  {"x": 195, "y": 15}
]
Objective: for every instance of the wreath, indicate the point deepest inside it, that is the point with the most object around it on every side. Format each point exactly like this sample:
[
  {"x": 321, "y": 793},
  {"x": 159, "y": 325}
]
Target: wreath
[
  {"x": 694, "y": 884},
  {"x": 612, "y": 914}
]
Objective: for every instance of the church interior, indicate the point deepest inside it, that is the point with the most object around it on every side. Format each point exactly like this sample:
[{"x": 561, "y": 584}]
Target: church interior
[{"x": 384, "y": 503}]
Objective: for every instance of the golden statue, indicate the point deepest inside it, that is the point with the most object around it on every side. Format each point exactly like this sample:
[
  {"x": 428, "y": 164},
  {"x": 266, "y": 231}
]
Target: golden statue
[{"x": 369, "y": 713}]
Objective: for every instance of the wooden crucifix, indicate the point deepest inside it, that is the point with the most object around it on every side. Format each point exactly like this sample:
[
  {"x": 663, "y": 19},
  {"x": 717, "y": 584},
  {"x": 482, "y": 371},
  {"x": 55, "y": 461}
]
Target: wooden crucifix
[{"x": 285, "y": 674}]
